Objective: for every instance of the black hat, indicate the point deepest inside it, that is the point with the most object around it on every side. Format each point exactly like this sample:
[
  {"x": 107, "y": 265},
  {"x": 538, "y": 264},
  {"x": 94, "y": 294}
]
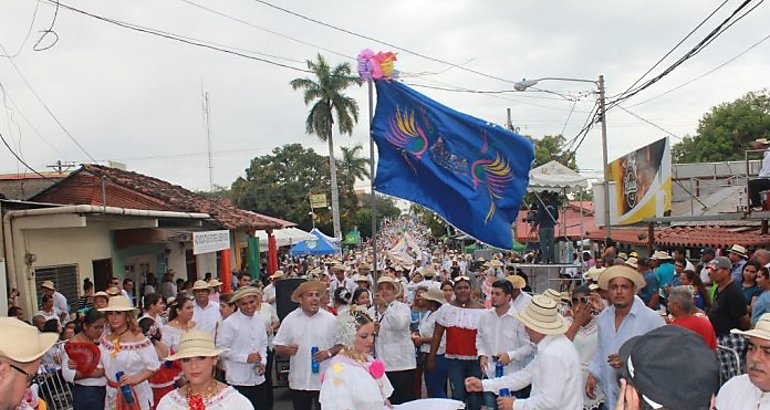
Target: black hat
[{"x": 671, "y": 366}]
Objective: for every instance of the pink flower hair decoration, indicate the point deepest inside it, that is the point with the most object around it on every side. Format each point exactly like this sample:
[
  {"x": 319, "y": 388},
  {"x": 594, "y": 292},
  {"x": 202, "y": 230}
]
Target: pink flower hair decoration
[{"x": 377, "y": 369}]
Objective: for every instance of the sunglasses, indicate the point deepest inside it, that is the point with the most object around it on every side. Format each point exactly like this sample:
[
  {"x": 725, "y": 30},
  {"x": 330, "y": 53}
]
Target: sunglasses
[
  {"x": 583, "y": 299},
  {"x": 30, "y": 377}
]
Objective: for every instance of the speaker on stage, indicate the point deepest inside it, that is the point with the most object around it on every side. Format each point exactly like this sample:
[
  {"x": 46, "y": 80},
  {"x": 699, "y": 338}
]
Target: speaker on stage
[{"x": 283, "y": 291}]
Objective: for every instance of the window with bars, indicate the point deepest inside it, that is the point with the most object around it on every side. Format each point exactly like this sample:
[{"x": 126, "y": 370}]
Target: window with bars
[{"x": 64, "y": 278}]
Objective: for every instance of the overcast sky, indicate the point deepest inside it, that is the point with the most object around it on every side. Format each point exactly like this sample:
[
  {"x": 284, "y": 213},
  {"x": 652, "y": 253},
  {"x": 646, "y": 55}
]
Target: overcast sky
[{"x": 136, "y": 98}]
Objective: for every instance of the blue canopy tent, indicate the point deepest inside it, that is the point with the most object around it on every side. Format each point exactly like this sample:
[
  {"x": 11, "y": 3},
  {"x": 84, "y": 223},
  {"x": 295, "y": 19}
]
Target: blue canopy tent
[{"x": 319, "y": 246}]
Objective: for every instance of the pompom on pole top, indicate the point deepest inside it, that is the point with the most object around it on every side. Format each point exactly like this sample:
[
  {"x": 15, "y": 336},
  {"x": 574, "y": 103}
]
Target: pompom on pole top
[{"x": 378, "y": 66}]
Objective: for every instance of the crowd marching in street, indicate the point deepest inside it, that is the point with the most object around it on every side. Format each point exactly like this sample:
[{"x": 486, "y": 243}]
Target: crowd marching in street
[{"x": 429, "y": 322}]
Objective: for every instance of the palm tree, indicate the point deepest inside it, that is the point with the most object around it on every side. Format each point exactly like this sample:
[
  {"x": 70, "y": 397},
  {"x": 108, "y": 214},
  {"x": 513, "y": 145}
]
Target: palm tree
[
  {"x": 353, "y": 166},
  {"x": 325, "y": 93}
]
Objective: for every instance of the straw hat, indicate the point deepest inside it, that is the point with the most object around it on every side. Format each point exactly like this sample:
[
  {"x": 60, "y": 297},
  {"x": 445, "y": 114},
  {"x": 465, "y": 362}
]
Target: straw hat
[
  {"x": 196, "y": 343},
  {"x": 23, "y": 343},
  {"x": 435, "y": 294},
  {"x": 307, "y": 286},
  {"x": 495, "y": 263},
  {"x": 542, "y": 316},
  {"x": 101, "y": 293},
  {"x": 338, "y": 267},
  {"x": 661, "y": 256},
  {"x": 553, "y": 295},
  {"x": 632, "y": 262},
  {"x": 47, "y": 285},
  {"x": 761, "y": 329},
  {"x": 244, "y": 292},
  {"x": 201, "y": 285},
  {"x": 740, "y": 250},
  {"x": 118, "y": 303},
  {"x": 277, "y": 275},
  {"x": 394, "y": 282},
  {"x": 214, "y": 283},
  {"x": 620, "y": 271},
  {"x": 594, "y": 273},
  {"x": 428, "y": 271},
  {"x": 360, "y": 278},
  {"x": 113, "y": 291},
  {"x": 517, "y": 281},
  {"x": 762, "y": 141}
]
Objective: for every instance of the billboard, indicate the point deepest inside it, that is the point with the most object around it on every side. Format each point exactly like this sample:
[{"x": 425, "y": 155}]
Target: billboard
[{"x": 642, "y": 184}]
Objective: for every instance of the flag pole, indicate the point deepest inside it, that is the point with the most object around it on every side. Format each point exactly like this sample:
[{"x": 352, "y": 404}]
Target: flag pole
[{"x": 371, "y": 179}]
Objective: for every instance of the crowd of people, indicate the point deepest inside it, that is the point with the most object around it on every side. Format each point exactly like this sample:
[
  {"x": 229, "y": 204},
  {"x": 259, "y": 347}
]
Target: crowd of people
[{"x": 630, "y": 332}]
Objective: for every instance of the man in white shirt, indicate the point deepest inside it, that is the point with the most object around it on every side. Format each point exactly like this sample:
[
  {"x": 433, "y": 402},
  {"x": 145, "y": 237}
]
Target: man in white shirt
[
  {"x": 60, "y": 307},
  {"x": 501, "y": 337},
  {"x": 555, "y": 373},
  {"x": 340, "y": 279},
  {"x": 752, "y": 390},
  {"x": 519, "y": 299},
  {"x": 205, "y": 312},
  {"x": 244, "y": 336},
  {"x": 306, "y": 327},
  {"x": 168, "y": 287},
  {"x": 393, "y": 344},
  {"x": 269, "y": 290},
  {"x": 762, "y": 182}
]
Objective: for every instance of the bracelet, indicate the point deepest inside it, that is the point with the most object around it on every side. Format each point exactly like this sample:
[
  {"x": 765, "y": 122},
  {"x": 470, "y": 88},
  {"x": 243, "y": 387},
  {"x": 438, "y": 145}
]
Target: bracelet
[{"x": 329, "y": 354}]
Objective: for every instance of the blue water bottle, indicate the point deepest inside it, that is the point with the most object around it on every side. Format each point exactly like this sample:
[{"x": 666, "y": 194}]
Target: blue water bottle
[
  {"x": 505, "y": 392},
  {"x": 499, "y": 368},
  {"x": 128, "y": 395},
  {"x": 314, "y": 365}
]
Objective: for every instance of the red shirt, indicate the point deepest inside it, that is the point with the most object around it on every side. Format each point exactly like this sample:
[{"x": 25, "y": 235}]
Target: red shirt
[{"x": 701, "y": 326}]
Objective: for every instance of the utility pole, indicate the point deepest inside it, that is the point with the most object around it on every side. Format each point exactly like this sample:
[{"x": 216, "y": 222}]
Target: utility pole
[
  {"x": 60, "y": 166},
  {"x": 207, "y": 124},
  {"x": 603, "y": 108}
]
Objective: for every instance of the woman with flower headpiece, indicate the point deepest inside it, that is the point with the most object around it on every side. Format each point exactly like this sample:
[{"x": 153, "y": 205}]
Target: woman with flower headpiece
[
  {"x": 128, "y": 358},
  {"x": 198, "y": 357},
  {"x": 353, "y": 379},
  {"x": 165, "y": 379},
  {"x": 80, "y": 363}
]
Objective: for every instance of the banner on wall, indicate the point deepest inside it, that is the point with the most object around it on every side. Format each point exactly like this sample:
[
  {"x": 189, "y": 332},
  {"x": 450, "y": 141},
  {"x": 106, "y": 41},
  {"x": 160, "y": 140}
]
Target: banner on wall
[
  {"x": 210, "y": 241},
  {"x": 642, "y": 182}
]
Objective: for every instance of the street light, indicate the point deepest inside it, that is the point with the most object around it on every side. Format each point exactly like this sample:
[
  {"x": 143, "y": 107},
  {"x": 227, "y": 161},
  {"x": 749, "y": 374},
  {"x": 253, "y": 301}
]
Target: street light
[{"x": 524, "y": 84}]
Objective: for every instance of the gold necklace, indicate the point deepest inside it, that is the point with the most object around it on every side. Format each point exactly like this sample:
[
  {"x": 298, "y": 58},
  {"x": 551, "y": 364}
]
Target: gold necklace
[
  {"x": 208, "y": 394},
  {"x": 360, "y": 358}
]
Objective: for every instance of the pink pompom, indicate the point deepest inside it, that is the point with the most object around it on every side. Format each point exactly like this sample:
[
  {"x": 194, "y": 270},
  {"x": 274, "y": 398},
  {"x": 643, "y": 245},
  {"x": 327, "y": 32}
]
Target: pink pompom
[
  {"x": 377, "y": 369},
  {"x": 323, "y": 376}
]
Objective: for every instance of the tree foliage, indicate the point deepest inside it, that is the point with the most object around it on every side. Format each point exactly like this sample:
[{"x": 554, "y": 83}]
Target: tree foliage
[
  {"x": 386, "y": 208},
  {"x": 725, "y": 132},
  {"x": 437, "y": 226},
  {"x": 551, "y": 147}
]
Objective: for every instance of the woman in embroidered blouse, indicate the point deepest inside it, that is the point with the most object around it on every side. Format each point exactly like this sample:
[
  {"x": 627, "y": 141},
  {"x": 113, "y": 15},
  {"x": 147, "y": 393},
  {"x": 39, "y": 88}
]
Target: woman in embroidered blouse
[
  {"x": 180, "y": 321},
  {"x": 126, "y": 351},
  {"x": 459, "y": 319},
  {"x": 198, "y": 358},
  {"x": 353, "y": 380},
  {"x": 584, "y": 332}
]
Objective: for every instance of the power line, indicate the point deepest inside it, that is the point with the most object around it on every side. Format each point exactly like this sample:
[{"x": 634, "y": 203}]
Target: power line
[
  {"x": 29, "y": 123},
  {"x": 715, "y": 33},
  {"x": 18, "y": 158},
  {"x": 48, "y": 109},
  {"x": 650, "y": 122},
  {"x": 29, "y": 33},
  {"x": 365, "y": 37},
  {"x": 677, "y": 45},
  {"x": 250, "y": 24},
  {"x": 179, "y": 38},
  {"x": 706, "y": 73}
]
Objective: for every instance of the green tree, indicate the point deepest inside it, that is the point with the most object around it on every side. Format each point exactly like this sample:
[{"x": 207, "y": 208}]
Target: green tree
[
  {"x": 386, "y": 208},
  {"x": 551, "y": 147},
  {"x": 437, "y": 226},
  {"x": 725, "y": 132},
  {"x": 352, "y": 166},
  {"x": 325, "y": 93}
]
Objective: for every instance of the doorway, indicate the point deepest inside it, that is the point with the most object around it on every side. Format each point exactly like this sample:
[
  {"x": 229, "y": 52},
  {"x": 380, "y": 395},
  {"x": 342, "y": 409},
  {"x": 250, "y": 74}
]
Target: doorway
[{"x": 102, "y": 273}]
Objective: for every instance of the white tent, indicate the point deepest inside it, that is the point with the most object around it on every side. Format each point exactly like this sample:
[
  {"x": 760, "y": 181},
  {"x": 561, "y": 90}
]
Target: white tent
[
  {"x": 554, "y": 176},
  {"x": 284, "y": 237}
]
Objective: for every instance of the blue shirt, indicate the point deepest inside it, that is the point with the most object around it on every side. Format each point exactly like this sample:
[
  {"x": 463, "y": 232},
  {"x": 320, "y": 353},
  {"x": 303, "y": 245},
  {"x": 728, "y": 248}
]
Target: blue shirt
[
  {"x": 761, "y": 306},
  {"x": 664, "y": 272},
  {"x": 640, "y": 320},
  {"x": 650, "y": 288},
  {"x": 737, "y": 272}
]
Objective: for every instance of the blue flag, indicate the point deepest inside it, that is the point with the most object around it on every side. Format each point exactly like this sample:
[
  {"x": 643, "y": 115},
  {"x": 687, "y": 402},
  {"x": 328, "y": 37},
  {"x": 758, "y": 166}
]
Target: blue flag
[{"x": 472, "y": 173}]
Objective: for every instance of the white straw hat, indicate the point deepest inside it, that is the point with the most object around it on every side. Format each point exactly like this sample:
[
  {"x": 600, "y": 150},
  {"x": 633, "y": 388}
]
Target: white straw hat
[
  {"x": 196, "y": 343},
  {"x": 23, "y": 343},
  {"x": 118, "y": 303},
  {"x": 761, "y": 329},
  {"x": 245, "y": 292},
  {"x": 542, "y": 316},
  {"x": 621, "y": 271},
  {"x": 435, "y": 294},
  {"x": 553, "y": 295},
  {"x": 201, "y": 285}
]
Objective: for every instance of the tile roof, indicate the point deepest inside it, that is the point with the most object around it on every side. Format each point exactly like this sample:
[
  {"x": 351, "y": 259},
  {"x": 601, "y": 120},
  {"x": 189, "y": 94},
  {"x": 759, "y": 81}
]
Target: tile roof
[
  {"x": 703, "y": 236},
  {"x": 129, "y": 189}
]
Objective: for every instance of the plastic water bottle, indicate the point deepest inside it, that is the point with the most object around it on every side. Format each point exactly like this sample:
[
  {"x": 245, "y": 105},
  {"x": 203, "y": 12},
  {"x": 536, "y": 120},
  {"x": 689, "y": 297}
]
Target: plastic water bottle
[
  {"x": 505, "y": 392},
  {"x": 315, "y": 367},
  {"x": 499, "y": 368},
  {"x": 128, "y": 395}
]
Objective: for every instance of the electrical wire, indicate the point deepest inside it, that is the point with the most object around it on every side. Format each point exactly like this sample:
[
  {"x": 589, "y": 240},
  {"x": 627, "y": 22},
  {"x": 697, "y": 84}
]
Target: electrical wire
[
  {"x": 250, "y": 24},
  {"x": 677, "y": 45},
  {"x": 29, "y": 123},
  {"x": 706, "y": 73},
  {"x": 49, "y": 31},
  {"x": 715, "y": 33},
  {"x": 385, "y": 43},
  {"x": 650, "y": 122},
  {"x": 26, "y": 37},
  {"x": 47, "y": 108},
  {"x": 179, "y": 38},
  {"x": 18, "y": 158}
]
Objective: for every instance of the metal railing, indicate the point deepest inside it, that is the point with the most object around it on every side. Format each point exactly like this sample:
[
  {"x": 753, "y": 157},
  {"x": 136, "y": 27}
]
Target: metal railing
[
  {"x": 53, "y": 389},
  {"x": 541, "y": 276}
]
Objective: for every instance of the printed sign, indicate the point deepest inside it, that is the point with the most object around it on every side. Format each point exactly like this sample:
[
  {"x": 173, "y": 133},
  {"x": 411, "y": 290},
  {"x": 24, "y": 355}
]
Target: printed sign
[
  {"x": 318, "y": 201},
  {"x": 210, "y": 241}
]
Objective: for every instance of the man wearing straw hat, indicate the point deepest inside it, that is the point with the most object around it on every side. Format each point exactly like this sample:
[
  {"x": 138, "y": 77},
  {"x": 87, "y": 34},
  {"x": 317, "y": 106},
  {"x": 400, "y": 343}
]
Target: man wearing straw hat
[
  {"x": 306, "y": 327},
  {"x": 205, "y": 312},
  {"x": 625, "y": 318},
  {"x": 751, "y": 390},
  {"x": 21, "y": 347},
  {"x": 555, "y": 372},
  {"x": 762, "y": 182},
  {"x": 244, "y": 335},
  {"x": 60, "y": 306}
]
